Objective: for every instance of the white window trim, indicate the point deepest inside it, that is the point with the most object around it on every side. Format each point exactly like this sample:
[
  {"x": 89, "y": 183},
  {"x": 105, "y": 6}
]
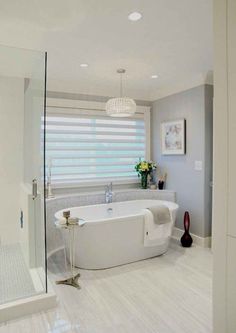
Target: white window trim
[{"x": 83, "y": 107}]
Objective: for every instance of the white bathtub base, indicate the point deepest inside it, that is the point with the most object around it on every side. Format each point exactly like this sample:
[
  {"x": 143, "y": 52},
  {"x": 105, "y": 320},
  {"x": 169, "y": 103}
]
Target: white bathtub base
[
  {"x": 100, "y": 263},
  {"x": 115, "y": 237}
]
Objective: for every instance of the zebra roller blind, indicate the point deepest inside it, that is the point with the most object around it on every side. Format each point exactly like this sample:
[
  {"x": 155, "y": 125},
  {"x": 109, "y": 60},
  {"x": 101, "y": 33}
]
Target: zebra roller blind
[{"x": 89, "y": 146}]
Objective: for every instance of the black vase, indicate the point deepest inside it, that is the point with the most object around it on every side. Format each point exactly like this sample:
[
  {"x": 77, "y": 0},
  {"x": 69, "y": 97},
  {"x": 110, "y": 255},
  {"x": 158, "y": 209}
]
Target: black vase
[
  {"x": 161, "y": 185},
  {"x": 186, "y": 239}
]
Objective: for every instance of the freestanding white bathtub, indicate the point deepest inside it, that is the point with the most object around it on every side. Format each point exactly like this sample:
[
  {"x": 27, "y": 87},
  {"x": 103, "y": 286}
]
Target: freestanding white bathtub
[{"x": 114, "y": 233}]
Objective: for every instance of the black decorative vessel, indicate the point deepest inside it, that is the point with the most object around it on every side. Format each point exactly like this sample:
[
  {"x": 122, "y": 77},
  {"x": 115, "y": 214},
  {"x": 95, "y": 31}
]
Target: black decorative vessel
[
  {"x": 161, "y": 184},
  {"x": 186, "y": 239}
]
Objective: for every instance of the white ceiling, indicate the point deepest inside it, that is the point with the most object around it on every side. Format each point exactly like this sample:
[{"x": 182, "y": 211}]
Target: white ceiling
[{"x": 173, "y": 40}]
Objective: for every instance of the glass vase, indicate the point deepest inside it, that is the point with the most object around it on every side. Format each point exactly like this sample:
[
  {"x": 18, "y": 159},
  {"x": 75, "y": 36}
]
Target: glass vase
[{"x": 144, "y": 177}]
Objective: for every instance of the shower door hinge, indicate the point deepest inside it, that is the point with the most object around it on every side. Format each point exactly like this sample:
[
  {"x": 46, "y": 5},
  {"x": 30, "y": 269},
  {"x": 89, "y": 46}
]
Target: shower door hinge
[{"x": 34, "y": 189}]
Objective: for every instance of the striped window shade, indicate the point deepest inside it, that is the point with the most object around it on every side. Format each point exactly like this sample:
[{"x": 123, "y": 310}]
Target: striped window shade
[{"x": 92, "y": 147}]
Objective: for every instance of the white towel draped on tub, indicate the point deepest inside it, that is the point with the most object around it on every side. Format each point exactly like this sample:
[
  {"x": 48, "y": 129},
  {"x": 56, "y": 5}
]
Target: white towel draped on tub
[
  {"x": 161, "y": 214},
  {"x": 156, "y": 232}
]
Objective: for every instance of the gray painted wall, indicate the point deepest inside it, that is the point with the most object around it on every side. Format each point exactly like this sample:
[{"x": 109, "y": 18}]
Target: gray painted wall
[{"x": 192, "y": 187}]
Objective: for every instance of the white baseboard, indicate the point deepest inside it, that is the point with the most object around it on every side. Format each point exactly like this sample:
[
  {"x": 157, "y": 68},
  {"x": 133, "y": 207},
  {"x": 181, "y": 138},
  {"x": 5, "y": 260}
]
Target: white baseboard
[{"x": 201, "y": 241}]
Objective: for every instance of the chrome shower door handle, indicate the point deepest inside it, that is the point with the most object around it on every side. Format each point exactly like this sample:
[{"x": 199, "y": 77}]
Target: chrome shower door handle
[{"x": 34, "y": 188}]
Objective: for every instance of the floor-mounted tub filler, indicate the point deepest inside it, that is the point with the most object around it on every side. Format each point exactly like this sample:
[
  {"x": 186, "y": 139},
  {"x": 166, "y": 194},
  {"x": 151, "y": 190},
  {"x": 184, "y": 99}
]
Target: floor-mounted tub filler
[{"x": 114, "y": 234}]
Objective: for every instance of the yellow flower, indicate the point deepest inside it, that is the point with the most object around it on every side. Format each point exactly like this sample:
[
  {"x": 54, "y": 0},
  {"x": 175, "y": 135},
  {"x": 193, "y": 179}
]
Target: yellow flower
[{"x": 144, "y": 166}]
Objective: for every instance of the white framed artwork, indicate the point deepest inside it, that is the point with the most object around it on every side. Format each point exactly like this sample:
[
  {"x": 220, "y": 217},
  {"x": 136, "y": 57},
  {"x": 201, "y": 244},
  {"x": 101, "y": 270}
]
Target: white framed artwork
[{"x": 173, "y": 137}]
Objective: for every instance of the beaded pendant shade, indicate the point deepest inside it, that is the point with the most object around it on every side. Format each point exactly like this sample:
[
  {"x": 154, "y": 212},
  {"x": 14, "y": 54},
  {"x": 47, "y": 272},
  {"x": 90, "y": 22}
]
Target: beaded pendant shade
[{"x": 120, "y": 106}]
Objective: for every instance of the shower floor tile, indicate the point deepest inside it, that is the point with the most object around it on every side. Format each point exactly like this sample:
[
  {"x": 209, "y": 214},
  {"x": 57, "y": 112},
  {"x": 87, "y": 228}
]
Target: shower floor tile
[{"x": 15, "y": 278}]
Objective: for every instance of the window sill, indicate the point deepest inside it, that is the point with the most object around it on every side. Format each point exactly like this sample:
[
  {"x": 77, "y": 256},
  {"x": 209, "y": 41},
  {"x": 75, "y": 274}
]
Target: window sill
[
  {"x": 97, "y": 183},
  {"x": 127, "y": 190}
]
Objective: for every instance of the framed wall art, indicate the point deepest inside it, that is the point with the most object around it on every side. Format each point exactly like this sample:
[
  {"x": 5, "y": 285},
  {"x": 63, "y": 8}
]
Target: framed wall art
[{"x": 173, "y": 137}]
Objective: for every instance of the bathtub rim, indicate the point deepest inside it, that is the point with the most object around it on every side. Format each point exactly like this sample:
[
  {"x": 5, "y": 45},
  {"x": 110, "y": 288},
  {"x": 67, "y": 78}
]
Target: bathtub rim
[{"x": 110, "y": 219}]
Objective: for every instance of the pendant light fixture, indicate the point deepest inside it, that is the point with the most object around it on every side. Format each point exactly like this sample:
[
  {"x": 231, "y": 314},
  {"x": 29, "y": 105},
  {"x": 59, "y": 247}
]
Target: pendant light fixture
[{"x": 120, "y": 106}]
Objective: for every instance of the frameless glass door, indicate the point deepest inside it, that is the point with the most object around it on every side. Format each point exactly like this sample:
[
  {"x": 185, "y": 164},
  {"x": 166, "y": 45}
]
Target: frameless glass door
[{"x": 22, "y": 222}]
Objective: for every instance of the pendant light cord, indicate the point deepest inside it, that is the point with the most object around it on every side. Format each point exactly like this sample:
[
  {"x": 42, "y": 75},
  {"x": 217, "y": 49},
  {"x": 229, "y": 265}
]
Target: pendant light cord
[{"x": 121, "y": 85}]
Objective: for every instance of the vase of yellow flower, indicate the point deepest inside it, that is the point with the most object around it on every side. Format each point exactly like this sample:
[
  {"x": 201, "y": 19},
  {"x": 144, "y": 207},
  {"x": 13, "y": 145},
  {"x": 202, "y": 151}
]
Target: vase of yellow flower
[{"x": 144, "y": 168}]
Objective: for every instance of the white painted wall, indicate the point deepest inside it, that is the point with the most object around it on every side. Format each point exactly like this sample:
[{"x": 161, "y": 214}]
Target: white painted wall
[
  {"x": 224, "y": 198},
  {"x": 11, "y": 156}
]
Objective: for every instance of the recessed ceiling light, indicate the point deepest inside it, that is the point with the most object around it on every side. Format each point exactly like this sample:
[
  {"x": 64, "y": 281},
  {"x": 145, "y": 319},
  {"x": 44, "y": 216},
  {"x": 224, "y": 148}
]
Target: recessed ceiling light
[
  {"x": 155, "y": 76},
  {"x": 83, "y": 65},
  {"x": 135, "y": 16}
]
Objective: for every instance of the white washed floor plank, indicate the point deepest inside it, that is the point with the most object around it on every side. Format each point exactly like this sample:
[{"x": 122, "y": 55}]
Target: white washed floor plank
[{"x": 167, "y": 294}]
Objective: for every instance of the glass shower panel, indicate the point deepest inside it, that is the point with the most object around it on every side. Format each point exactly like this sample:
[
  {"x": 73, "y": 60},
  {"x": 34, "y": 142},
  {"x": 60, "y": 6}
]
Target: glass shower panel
[{"x": 22, "y": 225}]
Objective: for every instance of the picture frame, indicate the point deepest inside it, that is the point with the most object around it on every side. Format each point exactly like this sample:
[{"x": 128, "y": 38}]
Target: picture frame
[{"x": 173, "y": 137}]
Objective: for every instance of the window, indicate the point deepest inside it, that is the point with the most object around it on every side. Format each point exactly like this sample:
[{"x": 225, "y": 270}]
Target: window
[{"x": 89, "y": 146}]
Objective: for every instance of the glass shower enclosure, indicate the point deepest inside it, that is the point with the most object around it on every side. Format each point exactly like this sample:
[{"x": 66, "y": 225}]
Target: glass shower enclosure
[{"x": 23, "y": 268}]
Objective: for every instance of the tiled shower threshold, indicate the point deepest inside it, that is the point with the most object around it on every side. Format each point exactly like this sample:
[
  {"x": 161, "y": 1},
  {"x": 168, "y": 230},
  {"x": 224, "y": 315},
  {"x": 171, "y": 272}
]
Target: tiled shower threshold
[{"x": 21, "y": 289}]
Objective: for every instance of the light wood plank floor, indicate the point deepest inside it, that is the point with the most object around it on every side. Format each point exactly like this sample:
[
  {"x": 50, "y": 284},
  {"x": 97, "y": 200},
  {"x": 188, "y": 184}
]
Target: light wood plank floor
[{"x": 166, "y": 294}]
